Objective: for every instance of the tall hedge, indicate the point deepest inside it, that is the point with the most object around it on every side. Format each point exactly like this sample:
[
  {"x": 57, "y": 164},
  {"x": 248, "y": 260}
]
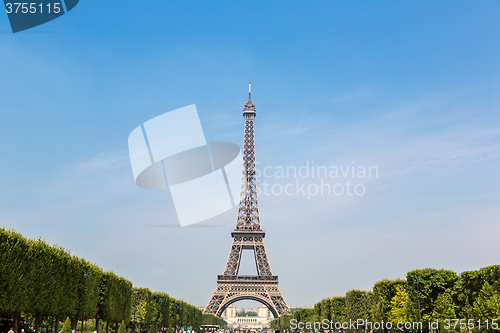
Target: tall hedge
[
  {"x": 338, "y": 309},
  {"x": 38, "y": 280},
  {"x": 358, "y": 304},
  {"x": 115, "y": 298}
]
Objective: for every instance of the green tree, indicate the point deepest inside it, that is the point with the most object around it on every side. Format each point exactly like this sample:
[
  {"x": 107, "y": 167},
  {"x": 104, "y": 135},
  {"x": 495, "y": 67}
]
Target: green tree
[
  {"x": 470, "y": 285},
  {"x": 487, "y": 304},
  {"x": 424, "y": 286},
  {"x": 45, "y": 282},
  {"x": 123, "y": 327},
  {"x": 338, "y": 309},
  {"x": 174, "y": 313},
  {"x": 142, "y": 306},
  {"x": 326, "y": 308},
  {"x": 15, "y": 287},
  {"x": 121, "y": 301},
  {"x": 304, "y": 315},
  {"x": 399, "y": 306},
  {"x": 115, "y": 298},
  {"x": 358, "y": 304},
  {"x": 317, "y": 311},
  {"x": 160, "y": 308},
  {"x": 67, "y": 326},
  {"x": 444, "y": 308},
  {"x": 383, "y": 293}
]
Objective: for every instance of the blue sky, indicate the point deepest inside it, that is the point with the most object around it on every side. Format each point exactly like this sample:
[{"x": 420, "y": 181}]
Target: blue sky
[{"x": 411, "y": 87}]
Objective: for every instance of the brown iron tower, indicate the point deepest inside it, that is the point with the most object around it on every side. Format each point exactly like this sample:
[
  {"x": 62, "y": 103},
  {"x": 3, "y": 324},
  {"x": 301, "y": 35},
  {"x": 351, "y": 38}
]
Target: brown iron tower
[{"x": 248, "y": 235}]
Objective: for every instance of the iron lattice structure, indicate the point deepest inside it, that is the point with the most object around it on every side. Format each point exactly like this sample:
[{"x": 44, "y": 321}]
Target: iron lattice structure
[{"x": 248, "y": 235}]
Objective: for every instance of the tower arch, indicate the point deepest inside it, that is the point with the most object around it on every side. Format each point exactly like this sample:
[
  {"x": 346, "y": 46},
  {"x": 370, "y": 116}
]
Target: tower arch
[{"x": 237, "y": 298}]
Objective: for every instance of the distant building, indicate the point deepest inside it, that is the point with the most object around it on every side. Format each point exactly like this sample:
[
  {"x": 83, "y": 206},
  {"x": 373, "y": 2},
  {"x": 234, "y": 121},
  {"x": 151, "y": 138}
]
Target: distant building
[{"x": 262, "y": 319}]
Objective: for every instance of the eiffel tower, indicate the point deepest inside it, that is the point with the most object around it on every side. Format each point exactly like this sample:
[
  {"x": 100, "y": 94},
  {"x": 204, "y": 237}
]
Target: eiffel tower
[{"x": 248, "y": 235}]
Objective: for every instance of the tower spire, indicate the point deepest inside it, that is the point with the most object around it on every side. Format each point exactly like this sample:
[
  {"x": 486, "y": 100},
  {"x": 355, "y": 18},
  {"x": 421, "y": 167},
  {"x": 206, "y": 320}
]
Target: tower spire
[{"x": 249, "y": 106}]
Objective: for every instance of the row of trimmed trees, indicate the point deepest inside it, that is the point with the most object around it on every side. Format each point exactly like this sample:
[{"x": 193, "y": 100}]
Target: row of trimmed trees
[
  {"x": 42, "y": 282},
  {"x": 299, "y": 314},
  {"x": 426, "y": 295}
]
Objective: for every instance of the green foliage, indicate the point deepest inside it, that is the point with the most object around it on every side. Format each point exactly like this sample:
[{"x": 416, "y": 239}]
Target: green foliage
[
  {"x": 246, "y": 314},
  {"x": 470, "y": 285},
  {"x": 182, "y": 313},
  {"x": 15, "y": 272},
  {"x": 67, "y": 326},
  {"x": 358, "y": 304},
  {"x": 45, "y": 280},
  {"x": 329, "y": 308},
  {"x": 115, "y": 298},
  {"x": 440, "y": 294},
  {"x": 303, "y": 314},
  {"x": 444, "y": 307},
  {"x": 487, "y": 304},
  {"x": 383, "y": 293},
  {"x": 338, "y": 309},
  {"x": 325, "y": 309},
  {"x": 142, "y": 306},
  {"x": 282, "y": 322},
  {"x": 210, "y": 319},
  {"x": 152, "y": 329},
  {"x": 317, "y": 311},
  {"x": 424, "y": 286},
  {"x": 398, "y": 312},
  {"x": 160, "y": 308},
  {"x": 123, "y": 327},
  {"x": 174, "y": 312},
  {"x": 39, "y": 280}
]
